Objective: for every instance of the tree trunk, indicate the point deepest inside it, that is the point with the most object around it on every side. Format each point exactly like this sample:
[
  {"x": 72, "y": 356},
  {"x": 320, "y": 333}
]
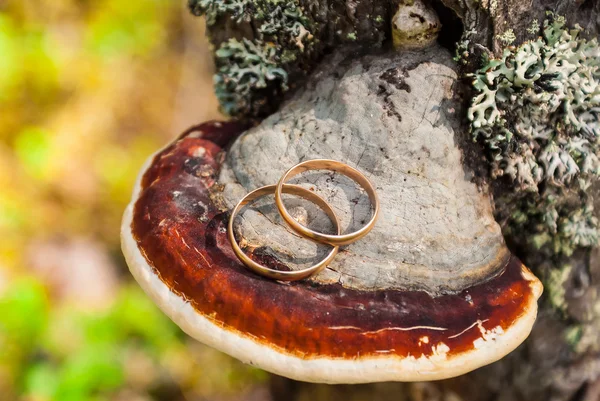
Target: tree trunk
[{"x": 561, "y": 358}]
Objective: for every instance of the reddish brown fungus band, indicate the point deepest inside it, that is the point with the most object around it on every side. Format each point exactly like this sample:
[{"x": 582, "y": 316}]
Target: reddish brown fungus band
[{"x": 305, "y": 319}]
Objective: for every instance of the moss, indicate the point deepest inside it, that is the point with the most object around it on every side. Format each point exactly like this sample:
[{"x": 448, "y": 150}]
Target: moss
[
  {"x": 573, "y": 335},
  {"x": 537, "y": 113},
  {"x": 288, "y": 56},
  {"x": 554, "y": 286},
  {"x": 461, "y": 54}
]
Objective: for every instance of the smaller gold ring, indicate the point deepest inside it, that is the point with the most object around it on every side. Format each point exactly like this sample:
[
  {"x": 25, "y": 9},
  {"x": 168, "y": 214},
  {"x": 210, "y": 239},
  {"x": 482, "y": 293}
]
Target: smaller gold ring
[
  {"x": 339, "y": 167},
  {"x": 280, "y": 274}
]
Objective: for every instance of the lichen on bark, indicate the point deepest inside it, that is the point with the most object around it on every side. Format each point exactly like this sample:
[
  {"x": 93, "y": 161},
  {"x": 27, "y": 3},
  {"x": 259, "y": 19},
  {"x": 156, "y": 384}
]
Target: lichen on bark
[
  {"x": 252, "y": 38},
  {"x": 536, "y": 111},
  {"x": 250, "y": 69}
]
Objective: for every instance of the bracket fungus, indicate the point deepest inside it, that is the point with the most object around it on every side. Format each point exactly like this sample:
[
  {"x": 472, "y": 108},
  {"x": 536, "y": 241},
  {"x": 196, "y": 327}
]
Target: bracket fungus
[{"x": 432, "y": 292}]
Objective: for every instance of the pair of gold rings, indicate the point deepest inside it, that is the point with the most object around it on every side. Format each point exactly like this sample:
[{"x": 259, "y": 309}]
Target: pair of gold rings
[{"x": 335, "y": 240}]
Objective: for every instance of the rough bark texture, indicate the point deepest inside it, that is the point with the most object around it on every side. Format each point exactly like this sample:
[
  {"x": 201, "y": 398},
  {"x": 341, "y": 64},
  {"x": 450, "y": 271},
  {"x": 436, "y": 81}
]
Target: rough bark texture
[
  {"x": 295, "y": 44},
  {"x": 487, "y": 20}
]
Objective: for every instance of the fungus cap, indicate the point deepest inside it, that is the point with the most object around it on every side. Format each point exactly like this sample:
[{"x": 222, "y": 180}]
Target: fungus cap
[{"x": 175, "y": 243}]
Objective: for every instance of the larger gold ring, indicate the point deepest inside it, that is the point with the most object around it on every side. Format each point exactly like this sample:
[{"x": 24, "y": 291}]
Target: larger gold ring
[
  {"x": 280, "y": 274},
  {"x": 325, "y": 164}
]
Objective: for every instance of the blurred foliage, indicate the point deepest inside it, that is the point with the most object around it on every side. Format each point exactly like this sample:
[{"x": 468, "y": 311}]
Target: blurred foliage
[
  {"x": 89, "y": 89},
  {"x": 66, "y": 354}
]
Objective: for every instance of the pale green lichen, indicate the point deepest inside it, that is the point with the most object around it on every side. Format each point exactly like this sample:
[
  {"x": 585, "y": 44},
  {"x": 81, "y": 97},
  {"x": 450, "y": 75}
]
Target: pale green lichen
[
  {"x": 507, "y": 37},
  {"x": 237, "y": 10},
  {"x": 537, "y": 110},
  {"x": 560, "y": 19},
  {"x": 534, "y": 28},
  {"x": 278, "y": 20},
  {"x": 580, "y": 228},
  {"x": 276, "y": 16},
  {"x": 283, "y": 18},
  {"x": 248, "y": 67}
]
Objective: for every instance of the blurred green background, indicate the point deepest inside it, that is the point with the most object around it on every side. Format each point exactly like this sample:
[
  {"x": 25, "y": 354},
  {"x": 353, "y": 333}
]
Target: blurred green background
[{"x": 88, "y": 89}]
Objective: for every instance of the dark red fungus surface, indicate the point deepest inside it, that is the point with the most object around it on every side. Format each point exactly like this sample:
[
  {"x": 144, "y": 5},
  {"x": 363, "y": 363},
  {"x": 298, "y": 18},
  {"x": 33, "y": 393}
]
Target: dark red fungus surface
[{"x": 182, "y": 234}]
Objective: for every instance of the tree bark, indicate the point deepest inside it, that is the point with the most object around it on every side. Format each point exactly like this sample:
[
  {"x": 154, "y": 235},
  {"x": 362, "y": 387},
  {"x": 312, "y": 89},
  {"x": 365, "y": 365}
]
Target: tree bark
[{"x": 561, "y": 358}]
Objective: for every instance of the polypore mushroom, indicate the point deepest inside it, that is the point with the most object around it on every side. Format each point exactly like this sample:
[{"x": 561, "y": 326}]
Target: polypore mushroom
[{"x": 432, "y": 292}]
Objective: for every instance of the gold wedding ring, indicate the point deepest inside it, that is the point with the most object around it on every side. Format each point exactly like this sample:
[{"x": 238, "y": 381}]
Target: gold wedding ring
[
  {"x": 342, "y": 168},
  {"x": 334, "y": 240},
  {"x": 280, "y": 274}
]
